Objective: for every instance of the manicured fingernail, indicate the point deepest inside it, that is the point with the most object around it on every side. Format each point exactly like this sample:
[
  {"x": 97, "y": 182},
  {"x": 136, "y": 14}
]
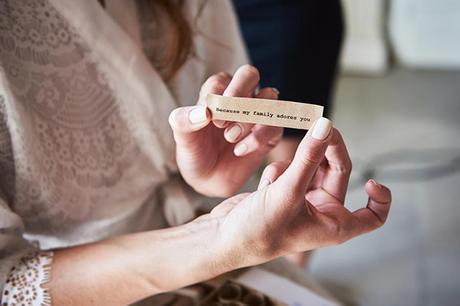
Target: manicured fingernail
[
  {"x": 233, "y": 133},
  {"x": 197, "y": 115},
  {"x": 375, "y": 183},
  {"x": 263, "y": 183},
  {"x": 276, "y": 90},
  {"x": 321, "y": 128},
  {"x": 240, "y": 149}
]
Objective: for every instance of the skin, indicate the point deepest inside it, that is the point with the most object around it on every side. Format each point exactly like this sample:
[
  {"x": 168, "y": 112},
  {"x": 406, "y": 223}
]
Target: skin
[
  {"x": 205, "y": 155},
  {"x": 284, "y": 151},
  {"x": 299, "y": 206}
]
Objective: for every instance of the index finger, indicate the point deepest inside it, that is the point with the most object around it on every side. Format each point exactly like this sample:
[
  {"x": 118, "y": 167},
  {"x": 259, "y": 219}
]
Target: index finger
[{"x": 215, "y": 84}]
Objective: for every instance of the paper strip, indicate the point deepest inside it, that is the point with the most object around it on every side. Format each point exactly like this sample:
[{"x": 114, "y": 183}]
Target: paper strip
[{"x": 263, "y": 111}]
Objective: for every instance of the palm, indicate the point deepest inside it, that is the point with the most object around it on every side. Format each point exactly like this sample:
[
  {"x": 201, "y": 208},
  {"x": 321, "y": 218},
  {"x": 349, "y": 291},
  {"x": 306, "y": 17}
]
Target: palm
[{"x": 211, "y": 159}]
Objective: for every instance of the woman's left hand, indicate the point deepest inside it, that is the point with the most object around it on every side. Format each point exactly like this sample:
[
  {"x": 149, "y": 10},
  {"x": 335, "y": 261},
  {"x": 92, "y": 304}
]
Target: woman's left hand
[{"x": 217, "y": 158}]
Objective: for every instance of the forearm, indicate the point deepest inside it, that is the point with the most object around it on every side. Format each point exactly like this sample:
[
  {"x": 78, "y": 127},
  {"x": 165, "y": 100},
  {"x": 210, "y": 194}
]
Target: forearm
[{"x": 123, "y": 270}]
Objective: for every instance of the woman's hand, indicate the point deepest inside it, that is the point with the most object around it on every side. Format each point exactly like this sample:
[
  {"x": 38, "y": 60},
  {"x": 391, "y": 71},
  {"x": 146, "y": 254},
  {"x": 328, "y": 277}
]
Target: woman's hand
[
  {"x": 299, "y": 206},
  {"x": 217, "y": 158}
]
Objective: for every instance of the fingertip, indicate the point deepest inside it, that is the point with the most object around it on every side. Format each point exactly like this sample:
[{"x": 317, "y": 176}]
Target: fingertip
[
  {"x": 268, "y": 93},
  {"x": 378, "y": 192},
  {"x": 241, "y": 149},
  {"x": 215, "y": 84},
  {"x": 244, "y": 82},
  {"x": 321, "y": 130},
  {"x": 274, "y": 170},
  {"x": 172, "y": 118},
  {"x": 233, "y": 133},
  {"x": 249, "y": 71},
  {"x": 189, "y": 118},
  {"x": 198, "y": 115}
]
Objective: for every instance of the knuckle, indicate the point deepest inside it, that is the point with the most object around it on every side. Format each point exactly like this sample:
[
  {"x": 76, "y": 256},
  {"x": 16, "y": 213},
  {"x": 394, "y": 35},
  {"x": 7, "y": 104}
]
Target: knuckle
[
  {"x": 309, "y": 159},
  {"x": 379, "y": 222},
  {"x": 379, "y": 218},
  {"x": 337, "y": 231},
  {"x": 217, "y": 88},
  {"x": 349, "y": 165},
  {"x": 345, "y": 167},
  {"x": 217, "y": 82},
  {"x": 222, "y": 77}
]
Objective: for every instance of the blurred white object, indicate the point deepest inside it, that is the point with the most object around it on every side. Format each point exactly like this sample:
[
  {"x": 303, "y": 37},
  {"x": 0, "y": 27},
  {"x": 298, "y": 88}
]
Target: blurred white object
[
  {"x": 364, "y": 50},
  {"x": 426, "y": 33},
  {"x": 282, "y": 289}
]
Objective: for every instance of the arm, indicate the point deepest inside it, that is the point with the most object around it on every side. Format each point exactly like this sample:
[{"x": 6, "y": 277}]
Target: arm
[
  {"x": 302, "y": 208},
  {"x": 126, "y": 269},
  {"x": 117, "y": 271}
]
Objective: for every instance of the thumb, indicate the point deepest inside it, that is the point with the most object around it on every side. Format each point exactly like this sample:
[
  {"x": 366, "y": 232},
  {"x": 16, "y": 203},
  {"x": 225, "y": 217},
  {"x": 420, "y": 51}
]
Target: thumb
[
  {"x": 188, "y": 119},
  {"x": 308, "y": 157}
]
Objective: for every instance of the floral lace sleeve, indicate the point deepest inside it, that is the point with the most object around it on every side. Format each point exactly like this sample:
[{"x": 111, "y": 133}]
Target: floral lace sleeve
[{"x": 24, "y": 285}]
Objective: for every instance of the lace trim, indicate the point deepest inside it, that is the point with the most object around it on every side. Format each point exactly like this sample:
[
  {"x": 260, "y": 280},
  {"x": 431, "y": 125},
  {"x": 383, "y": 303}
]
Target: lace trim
[{"x": 24, "y": 285}]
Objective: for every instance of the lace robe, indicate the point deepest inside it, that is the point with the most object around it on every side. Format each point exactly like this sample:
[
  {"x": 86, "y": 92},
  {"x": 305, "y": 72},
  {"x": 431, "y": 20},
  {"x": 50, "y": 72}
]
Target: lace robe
[{"x": 85, "y": 148}]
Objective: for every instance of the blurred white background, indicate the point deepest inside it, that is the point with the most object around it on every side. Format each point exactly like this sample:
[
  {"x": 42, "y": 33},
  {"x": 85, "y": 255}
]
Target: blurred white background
[
  {"x": 398, "y": 104},
  {"x": 419, "y": 33}
]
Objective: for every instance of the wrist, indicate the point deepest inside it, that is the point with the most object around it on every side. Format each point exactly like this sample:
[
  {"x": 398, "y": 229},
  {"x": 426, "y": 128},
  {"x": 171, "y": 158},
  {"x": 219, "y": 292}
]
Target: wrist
[
  {"x": 219, "y": 254},
  {"x": 213, "y": 186},
  {"x": 238, "y": 250},
  {"x": 172, "y": 258}
]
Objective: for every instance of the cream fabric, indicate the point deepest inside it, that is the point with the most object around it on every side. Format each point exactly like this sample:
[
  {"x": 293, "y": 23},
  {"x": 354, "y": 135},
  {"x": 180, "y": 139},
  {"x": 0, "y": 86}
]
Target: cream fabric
[{"x": 85, "y": 148}]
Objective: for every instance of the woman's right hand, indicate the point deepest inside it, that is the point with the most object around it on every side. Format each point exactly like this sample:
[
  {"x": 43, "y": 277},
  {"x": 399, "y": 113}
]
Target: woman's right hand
[{"x": 299, "y": 206}]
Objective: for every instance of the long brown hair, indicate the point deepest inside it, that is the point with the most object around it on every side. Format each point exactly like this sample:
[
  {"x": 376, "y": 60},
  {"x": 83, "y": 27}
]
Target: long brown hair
[
  {"x": 177, "y": 40},
  {"x": 180, "y": 41}
]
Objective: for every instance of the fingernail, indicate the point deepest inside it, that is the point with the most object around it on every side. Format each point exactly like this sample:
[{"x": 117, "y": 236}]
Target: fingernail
[
  {"x": 375, "y": 183},
  {"x": 276, "y": 90},
  {"x": 233, "y": 133},
  {"x": 321, "y": 128},
  {"x": 240, "y": 149},
  {"x": 197, "y": 115},
  {"x": 263, "y": 183}
]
